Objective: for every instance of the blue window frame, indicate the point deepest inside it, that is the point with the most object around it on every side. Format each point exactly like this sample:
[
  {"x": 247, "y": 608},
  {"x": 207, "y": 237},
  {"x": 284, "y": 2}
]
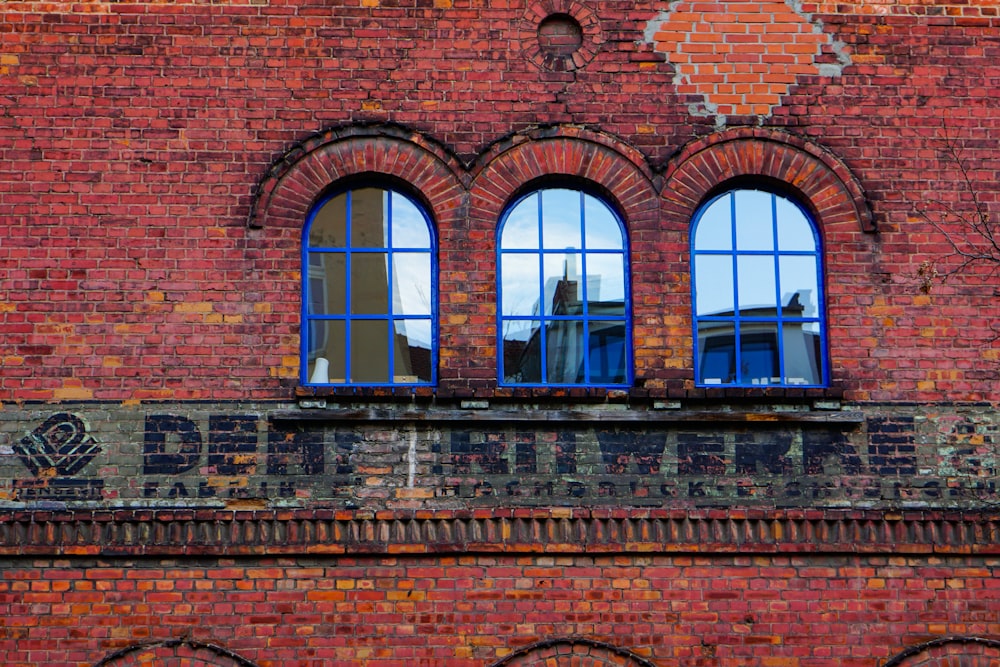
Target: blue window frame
[
  {"x": 369, "y": 291},
  {"x": 757, "y": 289},
  {"x": 563, "y": 288}
]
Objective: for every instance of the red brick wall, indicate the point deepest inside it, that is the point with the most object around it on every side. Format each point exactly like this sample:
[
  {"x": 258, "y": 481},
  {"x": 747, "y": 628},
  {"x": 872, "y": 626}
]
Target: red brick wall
[
  {"x": 157, "y": 160},
  {"x": 476, "y": 610}
]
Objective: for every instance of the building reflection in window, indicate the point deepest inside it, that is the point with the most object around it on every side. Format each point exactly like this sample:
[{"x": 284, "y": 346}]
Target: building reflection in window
[
  {"x": 564, "y": 316},
  {"x": 369, "y": 308},
  {"x": 757, "y": 292}
]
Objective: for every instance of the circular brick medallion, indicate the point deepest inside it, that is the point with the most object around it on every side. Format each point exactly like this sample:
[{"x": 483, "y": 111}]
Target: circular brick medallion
[{"x": 560, "y": 35}]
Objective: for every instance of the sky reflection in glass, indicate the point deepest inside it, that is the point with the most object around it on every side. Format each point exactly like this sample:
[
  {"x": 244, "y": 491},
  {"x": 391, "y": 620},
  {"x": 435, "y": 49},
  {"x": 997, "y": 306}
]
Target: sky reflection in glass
[
  {"x": 758, "y": 301},
  {"x": 554, "y": 287}
]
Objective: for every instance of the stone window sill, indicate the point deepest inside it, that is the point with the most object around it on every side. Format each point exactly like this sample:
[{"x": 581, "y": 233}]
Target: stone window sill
[
  {"x": 587, "y": 405},
  {"x": 570, "y": 394}
]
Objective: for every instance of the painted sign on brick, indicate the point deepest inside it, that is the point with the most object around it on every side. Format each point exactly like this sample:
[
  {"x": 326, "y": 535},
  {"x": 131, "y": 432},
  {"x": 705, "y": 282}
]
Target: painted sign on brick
[{"x": 223, "y": 455}]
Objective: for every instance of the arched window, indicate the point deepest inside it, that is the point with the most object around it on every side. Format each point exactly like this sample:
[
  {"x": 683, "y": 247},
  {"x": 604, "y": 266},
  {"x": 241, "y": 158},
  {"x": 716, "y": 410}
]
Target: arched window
[
  {"x": 758, "y": 292},
  {"x": 563, "y": 292},
  {"x": 369, "y": 291}
]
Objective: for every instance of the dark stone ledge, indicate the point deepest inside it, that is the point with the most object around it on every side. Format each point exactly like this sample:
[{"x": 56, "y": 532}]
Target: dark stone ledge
[
  {"x": 212, "y": 532},
  {"x": 578, "y": 395},
  {"x": 843, "y": 417}
]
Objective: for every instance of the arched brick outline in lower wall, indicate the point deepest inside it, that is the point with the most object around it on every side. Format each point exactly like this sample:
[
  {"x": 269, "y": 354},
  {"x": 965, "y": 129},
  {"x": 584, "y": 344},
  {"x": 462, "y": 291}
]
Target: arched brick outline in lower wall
[
  {"x": 174, "y": 653},
  {"x": 572, "y": 652},
  {"x": 950, "y": 652}
]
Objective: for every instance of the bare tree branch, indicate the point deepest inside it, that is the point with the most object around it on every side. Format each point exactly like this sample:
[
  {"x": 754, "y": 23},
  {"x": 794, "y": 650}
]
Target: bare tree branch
[{"x": 974, "y": 236}]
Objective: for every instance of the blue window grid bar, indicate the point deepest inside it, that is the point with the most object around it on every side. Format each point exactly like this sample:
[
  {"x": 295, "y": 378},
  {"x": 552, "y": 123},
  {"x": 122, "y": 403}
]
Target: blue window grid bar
[
  {"x": 585, "y": 318},
  {"x": 348, "y": 251},
  {"x": 780, "y": 319}
]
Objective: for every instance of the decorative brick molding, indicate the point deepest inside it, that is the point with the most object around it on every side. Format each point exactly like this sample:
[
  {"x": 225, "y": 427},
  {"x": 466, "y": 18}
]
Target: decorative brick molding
[
  {"x": 306, "y": 171},
  {"x": 549, "y": 530},
  {"x": 822, "y": 181}
]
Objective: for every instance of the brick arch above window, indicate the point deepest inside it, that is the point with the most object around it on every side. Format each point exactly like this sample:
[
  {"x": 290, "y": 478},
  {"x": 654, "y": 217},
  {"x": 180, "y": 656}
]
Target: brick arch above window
[
  {"x": 572, "y": 652},
  {"x": 508, "y": 167},
  {"x": 818, "y": 177},
  {"x": 305, "y": 172}
]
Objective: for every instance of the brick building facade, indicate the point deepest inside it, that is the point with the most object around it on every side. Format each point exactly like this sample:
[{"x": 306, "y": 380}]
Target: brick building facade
[{"x": 442, "y": 332}]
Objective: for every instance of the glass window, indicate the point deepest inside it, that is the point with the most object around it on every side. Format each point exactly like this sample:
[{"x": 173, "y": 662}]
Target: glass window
[
  {"x": 563, "y": 292},
  {"x": 756, "y": 269},
  {"x": 369, "y": 286}
]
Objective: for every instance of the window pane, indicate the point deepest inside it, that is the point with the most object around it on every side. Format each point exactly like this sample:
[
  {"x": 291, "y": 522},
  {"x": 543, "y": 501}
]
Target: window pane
[
  {"x": 409, "y": 228},
  {"x": 522, "y": 358},
  {"x": 759, "y": 354},
  {"x": 520, "y": 229},
  {"x": 799, "y": 288},
  {"x": 605, "y": 284},
  {"x": 561, "y": 221},
  {"x": 713, "y": 276},
  {"x": 564, "y": 352},
  {"x": 607, "y": 352},
  {"x": 369, "y": 218},
  {"x": 794, "y": 230},
  {"x": 563, "y": 290},
  {"x": 327, "y": 340},
  {"x": 754, "y": 230},
  {"x": 328, "y": 228},
  {"x": 370, "y": 351},
  {"x": 411, "y": 283},
  {"x": 715, "y": 226},
  {"x": 369, "y": 284},
  {"x": 352, "y": 280},
  {"x": 602, "y": 231},
  {"x": 326, "y": 288},
  {"x": 756, "y": 283},
  {"x": 412, "y": 354},
  {"x": 716, "y": 352},
  {"x": 520, "y": 284},
  {"x": 802, "y": 347}
]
